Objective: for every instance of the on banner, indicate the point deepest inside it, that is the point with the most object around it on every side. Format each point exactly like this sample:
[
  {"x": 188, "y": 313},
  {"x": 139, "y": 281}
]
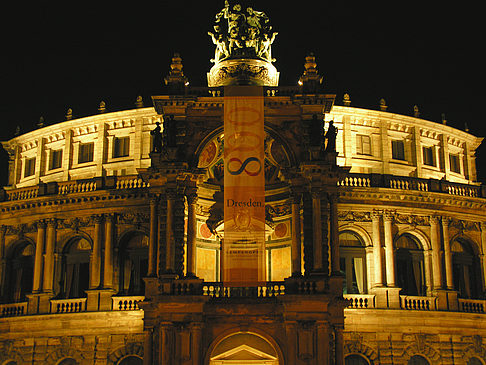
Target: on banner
[{"x": 243, "y": 260}]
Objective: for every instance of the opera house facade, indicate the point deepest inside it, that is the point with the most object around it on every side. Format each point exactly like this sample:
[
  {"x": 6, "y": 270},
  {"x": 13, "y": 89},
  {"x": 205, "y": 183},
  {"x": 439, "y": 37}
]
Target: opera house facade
[{"x": 112, "y": 229}]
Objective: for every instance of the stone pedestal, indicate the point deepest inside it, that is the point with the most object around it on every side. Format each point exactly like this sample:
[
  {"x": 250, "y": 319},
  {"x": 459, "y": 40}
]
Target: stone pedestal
[
  {"x": 446, "y": 300},
  {"x": 386, "y": 297},
  {"x": 39, "y": 303},
  {"x": 99, "y": 300}
]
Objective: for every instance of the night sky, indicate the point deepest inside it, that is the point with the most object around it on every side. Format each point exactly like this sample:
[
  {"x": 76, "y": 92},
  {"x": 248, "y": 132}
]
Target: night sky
[{"x": 77, "y": 54}]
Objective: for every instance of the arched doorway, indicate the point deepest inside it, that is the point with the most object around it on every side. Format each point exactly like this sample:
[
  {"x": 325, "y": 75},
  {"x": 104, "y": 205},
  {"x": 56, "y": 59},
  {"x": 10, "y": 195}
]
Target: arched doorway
[
  {"x": 355, "y": 360},
  {"x": 410, "y": 266},
  {"x": 20, "y": 271},
  {"x": 133, "y": 263},
  {"x": 75, "y": 271},
  {"x": 417, "y": 360},
  {"x": 244, "y": 349},
  {"x": 353, "y": 263},
  {"x": 130, "y": 360},
  {"x": 465, "y": 268}
]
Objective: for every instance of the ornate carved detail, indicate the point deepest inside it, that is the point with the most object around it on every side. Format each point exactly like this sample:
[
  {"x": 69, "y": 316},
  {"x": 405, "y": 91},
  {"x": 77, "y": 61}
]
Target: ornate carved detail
[
  {"x": 414, "y": 220},
  {"x": 75, "y": 223},
  {"x": 355, "y": 216},
  {"x": 462, "y": 225},
  {"x": 135, "y": 218}
]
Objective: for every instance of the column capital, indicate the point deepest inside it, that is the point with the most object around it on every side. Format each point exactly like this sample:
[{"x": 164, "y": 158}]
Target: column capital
[
  {"x": 388, "y": 216},
  {"x": 483, "y": 226},
  {"x": 41, "y": 224},
  {"x": 446, "y": 220},
  {"x": 376, "y": 215},
  {"x": 434, "y": 219},
  {"x": 191, "y": 197},
  {"x": 316, "y": 193},
  {"x": 171, "y": 193},
  {"x": 52, "y": 222},
  {"x": 98, "y": 218},
  {"x": 3, "y": 229},
  {"x": 109, "y": 217}
]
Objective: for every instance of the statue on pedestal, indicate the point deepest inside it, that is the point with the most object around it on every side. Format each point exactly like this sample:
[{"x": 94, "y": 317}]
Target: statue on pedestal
[
  {"x": 157, "y": 138},
  {"x": 331, "y": 137}
]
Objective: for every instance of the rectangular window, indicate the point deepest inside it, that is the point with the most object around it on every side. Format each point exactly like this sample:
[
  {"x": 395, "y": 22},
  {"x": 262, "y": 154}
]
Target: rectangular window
[
  {"x": 428, "y": 156},
  {"x": 398, "y": 150},
  {"x": 454, "y": 163},
  {"x": 363, "y": 145},
  {"x": 29, "y": 168},
  {"x": 121, "y": 147},
  {"x": 86, "y": 152},
  {"x": 56, "y": 159}
]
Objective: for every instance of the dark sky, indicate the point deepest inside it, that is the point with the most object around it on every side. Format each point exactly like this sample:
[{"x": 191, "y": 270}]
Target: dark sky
[{"x": 75, "y": 55}]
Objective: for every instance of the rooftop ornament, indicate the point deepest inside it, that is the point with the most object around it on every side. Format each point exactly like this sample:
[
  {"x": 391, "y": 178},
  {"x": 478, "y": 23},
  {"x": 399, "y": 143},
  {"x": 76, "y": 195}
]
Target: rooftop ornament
[{"x": 243, "y": 55}]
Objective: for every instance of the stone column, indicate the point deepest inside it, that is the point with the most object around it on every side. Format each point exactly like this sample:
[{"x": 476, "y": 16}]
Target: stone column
[
  {"x": 94, "y": 279},
  {"x": 317, "y": 230},
  {"x": 436, "y": 258},
  {"x": 148, "y": 347},
  {"x": 196, "y": 333},
  {"x": 38, "y": 260},
  {"x": 49, "y": 256},
  {"x": 152, "y": 260},
  {"x": 378, "y": 260},
  {"x": 191, "y": 234},
  {"x": 447, "y": 253},
  {"x": 389, "y": 254},
  {"x": 339, "y": 345},
  {"x": 334, "y": 233},
  {"x": 169, "y": 233},
  {"x": 108, "y": 257},
  {"x": 483, "y": 246},
  {"x": 323, "y": 343},
  {"x": 296, "y": 252},
  {"x": 3, "y": 262}
]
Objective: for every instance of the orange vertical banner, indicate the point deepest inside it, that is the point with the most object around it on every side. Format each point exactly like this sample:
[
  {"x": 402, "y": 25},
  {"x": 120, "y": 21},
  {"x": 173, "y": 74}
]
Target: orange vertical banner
[{"x": 243, "y": 261}]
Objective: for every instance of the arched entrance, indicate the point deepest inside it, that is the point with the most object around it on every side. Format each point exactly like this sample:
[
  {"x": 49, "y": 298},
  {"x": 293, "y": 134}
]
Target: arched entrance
[{"x": 244, "y": 348}]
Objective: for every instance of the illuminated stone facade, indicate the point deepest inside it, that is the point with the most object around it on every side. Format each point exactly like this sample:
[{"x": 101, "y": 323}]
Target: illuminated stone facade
[{"x": 110, "y": 248}]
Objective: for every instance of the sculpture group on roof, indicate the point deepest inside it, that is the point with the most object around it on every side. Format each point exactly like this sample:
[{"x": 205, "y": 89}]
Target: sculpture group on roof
[{"x": 244, "y": 35}]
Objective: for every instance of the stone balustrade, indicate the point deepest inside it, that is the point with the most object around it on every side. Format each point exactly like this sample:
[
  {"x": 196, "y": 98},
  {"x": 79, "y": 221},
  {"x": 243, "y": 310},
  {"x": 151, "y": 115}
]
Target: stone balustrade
[
  {"x": 360, "y": 301},
  {"x": 13, "y": 309},
  {"x": 126, "y": 303},
  {"x": 417, "y": 303},
  {"x": 68, "y": 305}
]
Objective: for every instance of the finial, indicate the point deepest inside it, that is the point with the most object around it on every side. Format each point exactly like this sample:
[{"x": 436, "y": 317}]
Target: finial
[
  {"x": 40, "y": 124},
  {"x": 310, "y": 79},
  {"x": 383, "y": 105},
  {"x": 416, "y": 112},
  {"x": 444, "y": 120},
  {"x": 176, "y": 78},
  {"x": 69, "y": 114},
  {"x": 102, "y": 107},
  {"x": 466, "y": 128},
  {"x": 18, "y": 130},
  {"x": 139, "y": 102},
  {"x": 346, "y": 99}
]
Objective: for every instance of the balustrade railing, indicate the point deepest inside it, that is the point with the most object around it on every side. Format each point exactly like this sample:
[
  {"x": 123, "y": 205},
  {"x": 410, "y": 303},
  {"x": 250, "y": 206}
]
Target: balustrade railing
[
  {"x": 129, "y": 303},
  {"x": 418, "y": 303},
  {"x": 68, "y": 305},
  {"x": 360, "y": 301},
  {"x": 13, "y": 309},
  {"x": 472, "y": 305},
  {"x": 218, "y": 290}
]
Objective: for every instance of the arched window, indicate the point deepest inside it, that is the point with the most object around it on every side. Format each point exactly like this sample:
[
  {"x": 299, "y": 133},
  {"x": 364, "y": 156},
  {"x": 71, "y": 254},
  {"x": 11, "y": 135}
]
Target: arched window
[
  {"x": 76, "y": 268},
  {"x": 353, "y": 263},
  {"x": 474, "y": 361},
  {"x": 131, "y": 360},
  {"x": 417, "y": 360},
  {"x": 68, "y": 362},
  {"x": 410, "y": 266},
  {"x": 20, "y": 269},
  {"x": 355, "y": 360},
  {"x": 465, "y": 268},
  {"x": 133, "y": 264}
]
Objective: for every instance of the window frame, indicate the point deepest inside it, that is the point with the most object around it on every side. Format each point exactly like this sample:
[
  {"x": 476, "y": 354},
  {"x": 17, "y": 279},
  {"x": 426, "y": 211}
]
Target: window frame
[
  {"x": 121, "y": 147},
  {"x": 29, "y": 166},
  {"x": 398, "y": 150},
  {"x": 82, "y": 153},
  {"x": 55, "y": 159},
  {"x": 360, "y": 146}
]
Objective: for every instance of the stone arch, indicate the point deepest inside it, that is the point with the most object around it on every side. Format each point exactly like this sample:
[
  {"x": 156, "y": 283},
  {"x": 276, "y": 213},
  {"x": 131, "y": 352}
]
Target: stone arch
[
  {"x": 475, "y": 350},
  {"x": 359, "y": 348},
  {"x": 462, "y": 236},
  {"x": 64, "y": 352},
  {"x": 424, "y": 350},
  {"x": 287, "y": 153},
  {"x": 18, "y": 243},
  {"x": 249, "y": 332},
  {"x": 131, "y": 263},
  {"x": 418, "y": 234},
  {"x": 360, "y": 231},
  {"x": 65, "y": 361},
  {"x": 71, "y": 237},
  {"x": 131, "y": 348}
]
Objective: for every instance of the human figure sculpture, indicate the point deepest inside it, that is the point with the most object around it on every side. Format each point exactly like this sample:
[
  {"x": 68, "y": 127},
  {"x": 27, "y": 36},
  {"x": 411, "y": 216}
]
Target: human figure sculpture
[
  {"x": 157, "y": 138},
  {"x": 170, "y": 129},
  {"x": 331, "y": 137}
]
